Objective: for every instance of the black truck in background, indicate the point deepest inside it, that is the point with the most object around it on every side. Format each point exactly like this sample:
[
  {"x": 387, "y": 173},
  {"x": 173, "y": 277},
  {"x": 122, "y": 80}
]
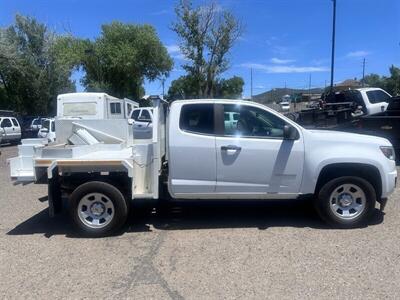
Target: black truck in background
[{"x": 384, "y": 124}]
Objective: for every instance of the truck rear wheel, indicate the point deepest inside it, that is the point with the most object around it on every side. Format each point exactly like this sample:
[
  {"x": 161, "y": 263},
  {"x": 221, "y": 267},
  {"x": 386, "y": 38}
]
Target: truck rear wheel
[
  {"x": 98, "y": 208},
  {"x": 346, "y": 202}
]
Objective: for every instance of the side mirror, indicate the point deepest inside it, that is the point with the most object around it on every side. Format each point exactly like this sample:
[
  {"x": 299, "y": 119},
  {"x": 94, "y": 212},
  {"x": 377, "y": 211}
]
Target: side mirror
[
  {"x": 131, "y": 121},
  {"x": 289, "y": 132}
]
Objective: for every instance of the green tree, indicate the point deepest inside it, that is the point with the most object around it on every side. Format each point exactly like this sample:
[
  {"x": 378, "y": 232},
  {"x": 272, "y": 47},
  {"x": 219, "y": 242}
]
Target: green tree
[
  {"x": 207, "y": 34},
  {"x": 121, "y": 58},
  {"x": 391, "y": 84},
  {"x": 31, "y": 74},
  {"x": 230, "y": 88},
  {"x": 185, "y": 87}
]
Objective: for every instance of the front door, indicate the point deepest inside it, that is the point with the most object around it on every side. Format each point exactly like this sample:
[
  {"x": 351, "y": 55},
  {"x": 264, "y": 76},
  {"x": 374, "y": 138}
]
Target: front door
[{"x": 253, "y": 159}]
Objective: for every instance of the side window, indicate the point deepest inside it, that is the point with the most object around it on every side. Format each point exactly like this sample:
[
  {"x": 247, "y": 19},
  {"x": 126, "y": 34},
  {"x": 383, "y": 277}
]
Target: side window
[
  {"x": 14, "y": 121},
  {"x": 115, "y": 108},
  {"x": 135, "y": 114},
  {"x": 252, "y": 122},
  {"x": 6, "y": 123},
  {"x": 145, "y": 116},
  {"x": 53, "y": 126},
  {"x": 381, "y": 97},
  {"x": 197, "y": 118},
  {"x": 129, "y": 108}
]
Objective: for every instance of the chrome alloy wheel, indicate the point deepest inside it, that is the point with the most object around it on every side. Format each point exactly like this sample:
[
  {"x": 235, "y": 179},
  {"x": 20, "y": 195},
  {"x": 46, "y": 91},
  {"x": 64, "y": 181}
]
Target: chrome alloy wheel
[
  {"x": 96, "y": 210},
  {"x": 347, "y": 201}
]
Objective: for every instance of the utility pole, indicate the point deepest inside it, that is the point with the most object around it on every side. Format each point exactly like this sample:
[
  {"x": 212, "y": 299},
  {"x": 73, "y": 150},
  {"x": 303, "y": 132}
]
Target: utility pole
[
  {"x": 363, "y": 72},
  {"x": 309, "y": 88},
  {"x": 333, "y": 43},
  {"x": 251, "y": 83}
]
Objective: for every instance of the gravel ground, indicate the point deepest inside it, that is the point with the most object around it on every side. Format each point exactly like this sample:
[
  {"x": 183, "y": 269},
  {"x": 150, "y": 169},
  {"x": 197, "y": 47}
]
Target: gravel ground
[{"x": 207, "y": 250}]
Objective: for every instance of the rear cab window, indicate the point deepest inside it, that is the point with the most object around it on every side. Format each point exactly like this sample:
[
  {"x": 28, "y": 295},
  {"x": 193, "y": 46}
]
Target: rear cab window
[{"x": 197, "y": 118}]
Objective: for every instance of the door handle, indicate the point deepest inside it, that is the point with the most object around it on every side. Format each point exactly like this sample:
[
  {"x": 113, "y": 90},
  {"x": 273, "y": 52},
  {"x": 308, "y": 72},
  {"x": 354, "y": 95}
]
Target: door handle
[{"x": 231, "y": 147}]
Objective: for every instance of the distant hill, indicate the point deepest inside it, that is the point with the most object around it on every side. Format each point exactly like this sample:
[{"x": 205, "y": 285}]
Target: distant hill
[{"x": 276, "y": 95}]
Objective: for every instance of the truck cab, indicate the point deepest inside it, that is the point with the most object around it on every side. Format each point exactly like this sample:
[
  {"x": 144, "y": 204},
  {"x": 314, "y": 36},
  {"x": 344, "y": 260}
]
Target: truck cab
[{"x": 375, "y": 100}]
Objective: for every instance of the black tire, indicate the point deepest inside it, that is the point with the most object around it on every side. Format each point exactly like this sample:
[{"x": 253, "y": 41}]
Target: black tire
[
  {"x": 120, "y": 206},
  {"x": 322, "y": 202}
]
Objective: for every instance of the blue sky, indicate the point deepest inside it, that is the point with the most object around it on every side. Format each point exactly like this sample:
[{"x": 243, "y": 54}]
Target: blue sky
[{"x": 284, "y": 41}]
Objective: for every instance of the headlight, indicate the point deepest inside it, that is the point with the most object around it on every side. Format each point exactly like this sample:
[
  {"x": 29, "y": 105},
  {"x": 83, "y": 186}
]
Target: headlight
[{"x": 388, "y": 151}]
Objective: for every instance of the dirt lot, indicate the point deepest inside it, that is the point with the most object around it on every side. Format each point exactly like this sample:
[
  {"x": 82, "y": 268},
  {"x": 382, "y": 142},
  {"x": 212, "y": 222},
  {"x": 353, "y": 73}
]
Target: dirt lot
[{"x": 240, "y": 250}]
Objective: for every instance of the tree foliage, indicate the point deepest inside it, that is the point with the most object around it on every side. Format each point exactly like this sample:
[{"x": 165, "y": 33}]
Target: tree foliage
[
  {"x": 31, "y": 72},
  {"x": 185, "y": 87},
  {"x": 391, "y": 84},
  {"x": 207, "y": 34},
  {"x": 121, "y": 58}
]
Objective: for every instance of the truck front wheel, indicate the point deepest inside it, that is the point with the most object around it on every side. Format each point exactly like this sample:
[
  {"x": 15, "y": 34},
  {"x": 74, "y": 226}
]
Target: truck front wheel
[
  {"x": 98, "y": 208},
  {"x": 346, "y": 202}
]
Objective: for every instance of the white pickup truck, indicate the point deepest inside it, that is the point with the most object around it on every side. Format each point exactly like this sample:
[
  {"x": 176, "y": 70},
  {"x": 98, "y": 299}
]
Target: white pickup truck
[{"x": 195, "y": 154}]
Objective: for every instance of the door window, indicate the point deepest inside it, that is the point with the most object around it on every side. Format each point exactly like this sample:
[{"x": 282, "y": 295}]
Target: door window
[
  {"x": 197, "y": 118},
  {"x": 6, "y": 123},
  {"x": 15, "y": 122},
  {"x": 252, "y": 122},
  {"x": 377, "y": 96}
]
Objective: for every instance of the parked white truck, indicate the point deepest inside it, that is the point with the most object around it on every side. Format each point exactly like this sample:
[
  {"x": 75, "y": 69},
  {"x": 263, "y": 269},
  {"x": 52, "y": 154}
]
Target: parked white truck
[{"x": 195, "y": 154}]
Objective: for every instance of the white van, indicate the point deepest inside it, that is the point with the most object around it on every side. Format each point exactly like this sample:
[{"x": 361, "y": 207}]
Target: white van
[{"x": 94, "y": 106}]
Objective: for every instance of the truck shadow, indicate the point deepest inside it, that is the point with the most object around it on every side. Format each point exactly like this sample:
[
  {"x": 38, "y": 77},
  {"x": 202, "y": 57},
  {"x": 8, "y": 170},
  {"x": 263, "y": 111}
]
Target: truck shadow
[
  {"x": 232, "y": 214},
  {"x": 196, "y": 215}
]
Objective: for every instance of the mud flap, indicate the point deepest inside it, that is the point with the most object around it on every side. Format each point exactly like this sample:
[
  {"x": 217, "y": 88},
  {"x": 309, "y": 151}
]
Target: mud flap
[
  {"x": 54, "y": 192},
  {"x": 382, "y": 203}
]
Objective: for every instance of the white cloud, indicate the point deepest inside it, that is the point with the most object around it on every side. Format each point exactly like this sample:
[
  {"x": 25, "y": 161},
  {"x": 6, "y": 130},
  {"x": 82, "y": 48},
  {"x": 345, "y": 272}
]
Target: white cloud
[
  {"x": 173, "y": 49},
  {"x": 284, "y": 69},
  {"x": 360, "y": 53},
  {"x": 278, "y": 61},
  {"x": 160, "y": 12},
  {"x": 175, "y": 52}
]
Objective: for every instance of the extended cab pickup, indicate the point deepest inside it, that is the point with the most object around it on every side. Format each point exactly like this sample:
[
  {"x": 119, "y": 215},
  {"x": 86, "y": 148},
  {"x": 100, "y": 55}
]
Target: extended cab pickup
[{"x": 195, "y": 154}]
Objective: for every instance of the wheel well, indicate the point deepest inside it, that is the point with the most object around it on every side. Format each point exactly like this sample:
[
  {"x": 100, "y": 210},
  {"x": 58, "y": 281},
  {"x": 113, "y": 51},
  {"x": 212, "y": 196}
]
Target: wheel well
[
  {"x": 69, "y": 182},
  {"x": 367, "y": 172}
]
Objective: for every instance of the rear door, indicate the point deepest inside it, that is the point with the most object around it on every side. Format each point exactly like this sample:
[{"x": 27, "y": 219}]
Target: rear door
[
  {"x": 16, "y": 128},
  {"x": 253, "y": 159},
  {"x": 192, "y": 155},
  {"x": 7, "y": 127}
]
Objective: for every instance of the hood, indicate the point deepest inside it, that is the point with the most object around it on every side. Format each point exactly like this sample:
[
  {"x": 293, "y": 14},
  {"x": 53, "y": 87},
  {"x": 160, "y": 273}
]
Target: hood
[{"x": 346, "y": 137}]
